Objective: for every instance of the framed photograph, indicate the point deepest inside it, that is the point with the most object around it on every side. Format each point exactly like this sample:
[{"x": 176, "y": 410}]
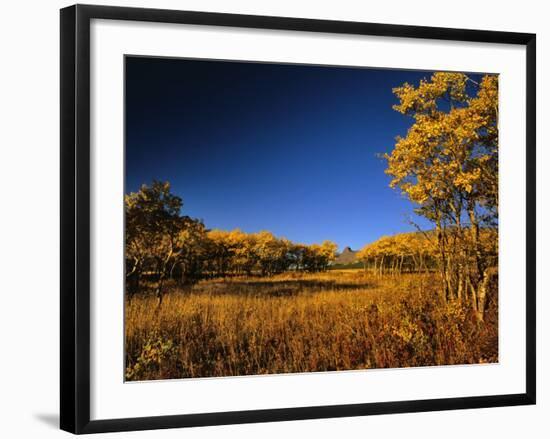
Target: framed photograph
[{"x": 268, "y": 219}]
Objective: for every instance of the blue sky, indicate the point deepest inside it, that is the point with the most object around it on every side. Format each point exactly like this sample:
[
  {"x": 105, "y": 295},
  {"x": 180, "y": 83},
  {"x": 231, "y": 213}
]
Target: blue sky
[{"x": 293, "y": 149}]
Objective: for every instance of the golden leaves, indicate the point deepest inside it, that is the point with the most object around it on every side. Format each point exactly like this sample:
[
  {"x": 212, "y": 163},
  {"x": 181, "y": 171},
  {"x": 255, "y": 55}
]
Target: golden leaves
[{"x": 450, "y": 146}]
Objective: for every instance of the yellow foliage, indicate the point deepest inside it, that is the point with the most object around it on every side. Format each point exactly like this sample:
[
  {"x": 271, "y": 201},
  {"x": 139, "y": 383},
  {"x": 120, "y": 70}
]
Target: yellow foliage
[{"x": 452, "y": 145}]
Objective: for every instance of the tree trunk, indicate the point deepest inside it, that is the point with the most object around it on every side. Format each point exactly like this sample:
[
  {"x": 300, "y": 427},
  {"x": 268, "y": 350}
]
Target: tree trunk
[
  {"x": 159, "y": 292},
  {"x": 482, "y": 292},
  {"x": 473, "y": 294},
  {"x": 477, "y": 247},
  {"x": 443, "y": 261},
  {"x": 460, "y": 285},
  {"x": 163, "y": 271}
]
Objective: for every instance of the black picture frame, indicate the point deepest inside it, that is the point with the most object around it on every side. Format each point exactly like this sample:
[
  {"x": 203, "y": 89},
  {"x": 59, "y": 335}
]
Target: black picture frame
[{"x": 75, "y": 218}]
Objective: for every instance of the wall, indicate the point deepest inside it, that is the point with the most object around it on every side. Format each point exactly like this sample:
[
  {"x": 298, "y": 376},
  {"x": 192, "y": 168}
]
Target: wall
[{"x": 29, "y": 222}]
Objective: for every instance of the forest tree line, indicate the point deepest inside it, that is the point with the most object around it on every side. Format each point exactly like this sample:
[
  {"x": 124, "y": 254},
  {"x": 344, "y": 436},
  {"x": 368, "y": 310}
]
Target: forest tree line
[
  {"x": 415, "y": 252},
  {"x": 163, "y": 244}
]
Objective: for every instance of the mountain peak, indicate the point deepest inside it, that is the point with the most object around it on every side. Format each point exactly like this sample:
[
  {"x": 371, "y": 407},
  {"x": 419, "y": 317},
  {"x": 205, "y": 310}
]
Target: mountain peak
[{"x": 348, "y": 256}]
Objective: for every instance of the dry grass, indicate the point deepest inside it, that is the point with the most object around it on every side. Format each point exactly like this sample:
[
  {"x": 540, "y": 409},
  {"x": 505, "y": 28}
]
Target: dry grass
[{"x": 338, "y": 320}]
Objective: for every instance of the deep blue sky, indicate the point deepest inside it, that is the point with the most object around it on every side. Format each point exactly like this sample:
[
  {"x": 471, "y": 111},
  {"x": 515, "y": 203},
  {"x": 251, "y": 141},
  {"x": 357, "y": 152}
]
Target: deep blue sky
[{"x": 286, "y": 148}]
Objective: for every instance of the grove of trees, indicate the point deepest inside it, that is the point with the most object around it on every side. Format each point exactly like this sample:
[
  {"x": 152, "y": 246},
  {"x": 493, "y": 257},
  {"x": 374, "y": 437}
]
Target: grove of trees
[
  {"x": 415, "y": 252},
  {"x": 406, "y": 252},
  {"x": 162, "y": 244}
]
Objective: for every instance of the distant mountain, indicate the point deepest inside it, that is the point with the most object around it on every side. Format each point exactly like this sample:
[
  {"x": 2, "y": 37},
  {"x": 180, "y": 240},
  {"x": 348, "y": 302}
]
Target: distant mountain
[{"x": 348, "y": 256}]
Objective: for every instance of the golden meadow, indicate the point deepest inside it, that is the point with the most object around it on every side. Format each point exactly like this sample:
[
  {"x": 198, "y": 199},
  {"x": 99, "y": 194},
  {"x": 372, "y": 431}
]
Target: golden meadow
[
  {"x": 338, "y": 320},
  {"x": 207, "y": 303}
]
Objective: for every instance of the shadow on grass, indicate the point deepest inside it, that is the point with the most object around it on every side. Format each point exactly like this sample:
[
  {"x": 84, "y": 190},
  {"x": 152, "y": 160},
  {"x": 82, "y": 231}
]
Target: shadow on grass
[{"x": 276, "y": 288}]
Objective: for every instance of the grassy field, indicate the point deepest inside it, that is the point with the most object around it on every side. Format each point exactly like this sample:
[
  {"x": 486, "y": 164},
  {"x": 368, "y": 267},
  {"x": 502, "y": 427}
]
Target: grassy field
[{"x": 338, "y": 320}]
